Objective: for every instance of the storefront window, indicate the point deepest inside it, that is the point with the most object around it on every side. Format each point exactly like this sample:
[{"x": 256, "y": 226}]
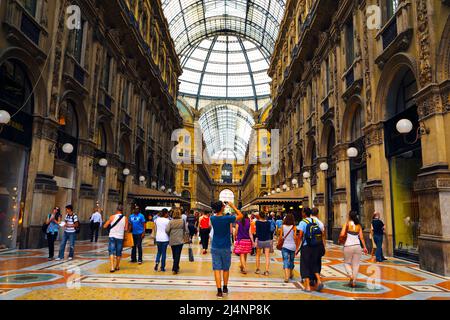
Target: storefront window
[
  {"x": 404, "y": 169},
  {"x": 12, "y": 173}
]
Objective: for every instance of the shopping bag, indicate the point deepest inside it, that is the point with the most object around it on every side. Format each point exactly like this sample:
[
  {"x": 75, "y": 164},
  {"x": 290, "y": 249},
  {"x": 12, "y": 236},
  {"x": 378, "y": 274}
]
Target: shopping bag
[
  {"x": 191, "y": 254},
  {"x": 128, "y": 240}
]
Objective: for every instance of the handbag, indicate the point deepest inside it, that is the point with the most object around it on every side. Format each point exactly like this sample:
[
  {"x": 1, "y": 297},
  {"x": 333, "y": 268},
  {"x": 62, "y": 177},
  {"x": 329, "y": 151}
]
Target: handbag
[
  {"x": 191, "y": 254},
  {"x": 186, "y": 237},
  {"x": 128, "y": 240},
  {"x": 343, "y": 238},
  {"x": 281, "y": 240}
]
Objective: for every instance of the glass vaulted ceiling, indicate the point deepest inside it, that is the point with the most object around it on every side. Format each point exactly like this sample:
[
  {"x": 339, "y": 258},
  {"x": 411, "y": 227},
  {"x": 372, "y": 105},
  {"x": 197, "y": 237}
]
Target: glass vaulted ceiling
[{"x": 224, "y": 48}]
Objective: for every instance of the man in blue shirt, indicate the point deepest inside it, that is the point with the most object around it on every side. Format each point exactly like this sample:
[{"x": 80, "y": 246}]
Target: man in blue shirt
[
  {"x": 221, "y": 244},
  {"x": 137, "y": 224}
]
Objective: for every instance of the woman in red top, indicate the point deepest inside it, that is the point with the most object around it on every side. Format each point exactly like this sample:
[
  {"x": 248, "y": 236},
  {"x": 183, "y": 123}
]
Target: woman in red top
[{"x": 205, "y": 227}]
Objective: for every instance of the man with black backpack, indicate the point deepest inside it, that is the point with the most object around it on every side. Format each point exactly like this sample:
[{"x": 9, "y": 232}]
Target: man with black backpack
[{"x": 311, "y": 236}]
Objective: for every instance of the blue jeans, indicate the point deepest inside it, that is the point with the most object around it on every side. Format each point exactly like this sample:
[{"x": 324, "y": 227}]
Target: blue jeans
[
  {"x": 378, "y": 238},
  {"x": 115, "y": 247},
  {"x": 67, "y": 236},
  {"x": 288, "y": 258},
  {"x": 161, "y": 255}
]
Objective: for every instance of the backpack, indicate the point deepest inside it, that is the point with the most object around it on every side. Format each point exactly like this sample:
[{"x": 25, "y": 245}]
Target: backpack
[{"x": 313, "y": 233}]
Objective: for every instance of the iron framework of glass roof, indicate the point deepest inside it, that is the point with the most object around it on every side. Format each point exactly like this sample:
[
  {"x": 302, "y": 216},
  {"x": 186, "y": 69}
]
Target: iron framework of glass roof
[
  {"x": 226, "y": 130},
  {"x": 225, "y": 48}
]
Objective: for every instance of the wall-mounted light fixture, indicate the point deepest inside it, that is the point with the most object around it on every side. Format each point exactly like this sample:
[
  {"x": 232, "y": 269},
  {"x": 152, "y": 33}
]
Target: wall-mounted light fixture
[{"x": 405, "y": 126}]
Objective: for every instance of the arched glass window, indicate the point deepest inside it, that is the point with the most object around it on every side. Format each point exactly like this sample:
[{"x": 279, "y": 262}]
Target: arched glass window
[
  {"x": 101, "y": 138},
  {"x": 15, "y": 86},
  {"x": 358, "y": 124},
  {"x": 68, "y": 120},
  {"x": 227, "y": 173}
]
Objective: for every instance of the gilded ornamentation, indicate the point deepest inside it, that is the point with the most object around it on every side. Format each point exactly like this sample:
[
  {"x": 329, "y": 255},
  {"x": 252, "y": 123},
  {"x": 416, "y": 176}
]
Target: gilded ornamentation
[{"x": 423, "y": 34}]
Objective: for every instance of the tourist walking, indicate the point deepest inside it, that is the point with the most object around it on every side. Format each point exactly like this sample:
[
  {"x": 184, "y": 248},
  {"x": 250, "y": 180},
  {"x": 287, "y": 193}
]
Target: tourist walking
[
  {"x": 377, "y": 230},
  {"x": 288, "y": 232},
  {"x": 95, "y": 223},
  {"x": 117, "y": 224},
  {"x": 322, "y": 244},
  {"x": 310, "y": 236},
  {"x": 137, "y": 225},
  {"x": 262, "y": 242},
  {"x": 205, "y": 228},
  {"x": 279, "y": 224},
  {"x": 162, "y": 239},
  {"x": 243, "y": 244},
  {"x": 352, "y": 233},
  {"x": 52, "y": 222},
  {"x": 191, "y": 223},
  {"x": 71, "y": 227},
  {"x": 221, "y": 244},
  {"x": 176, "y": 230}
]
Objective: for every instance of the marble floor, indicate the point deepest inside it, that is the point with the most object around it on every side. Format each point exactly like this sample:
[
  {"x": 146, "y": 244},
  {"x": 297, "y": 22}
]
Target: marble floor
[{"x": 28, "y": 275}]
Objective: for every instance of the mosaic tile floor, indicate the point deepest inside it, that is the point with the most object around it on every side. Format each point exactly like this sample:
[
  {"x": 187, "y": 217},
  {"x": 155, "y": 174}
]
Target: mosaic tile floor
[{"x": 26, "y": 274}]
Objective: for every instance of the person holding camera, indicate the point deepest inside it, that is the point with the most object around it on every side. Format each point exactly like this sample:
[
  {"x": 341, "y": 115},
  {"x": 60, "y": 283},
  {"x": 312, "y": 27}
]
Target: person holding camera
[{"x": 221, "y": 244}]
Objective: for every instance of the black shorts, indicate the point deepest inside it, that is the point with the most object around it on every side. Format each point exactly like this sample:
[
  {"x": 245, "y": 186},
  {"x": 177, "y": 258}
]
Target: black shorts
[{"x": 309, "y": 257}]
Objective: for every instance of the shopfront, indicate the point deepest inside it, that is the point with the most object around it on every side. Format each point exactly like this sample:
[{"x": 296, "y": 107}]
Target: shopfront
[
  {"x": 404, "y": 154},
  {"x": 15, "y": 143}
]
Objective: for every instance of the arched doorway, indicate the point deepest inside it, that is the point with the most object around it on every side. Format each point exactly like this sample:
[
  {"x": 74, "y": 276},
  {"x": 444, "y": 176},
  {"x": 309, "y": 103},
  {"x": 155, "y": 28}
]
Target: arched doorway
[
  {"x": 226, "y": 195},
  {"x": 358, "y": 165},
  {"x": 15, "y": 143},
  {"x": 405, "y": 160}
]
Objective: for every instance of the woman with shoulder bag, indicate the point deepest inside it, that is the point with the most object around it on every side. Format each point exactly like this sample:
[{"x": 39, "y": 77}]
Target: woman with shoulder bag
[
  {"x": 51, "y": 230},
  {"x": 352, "y": 234},
  {"x": 117, "y": 224},
  {"x": 287, "y": 243},
  {"x": 178, "y": 235}
]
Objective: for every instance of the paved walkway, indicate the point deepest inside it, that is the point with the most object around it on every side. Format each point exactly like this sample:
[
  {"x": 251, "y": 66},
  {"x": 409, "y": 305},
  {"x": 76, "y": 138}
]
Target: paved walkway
[{"x": 26, "y": 274}]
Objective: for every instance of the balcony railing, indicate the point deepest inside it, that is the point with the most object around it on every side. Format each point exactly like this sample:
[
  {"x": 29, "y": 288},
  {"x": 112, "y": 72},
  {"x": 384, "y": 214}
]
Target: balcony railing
[
  {"x": 78, "y": 74},
  {"x": 125, "y": 118},
  {"x": 349, "y": 78}
]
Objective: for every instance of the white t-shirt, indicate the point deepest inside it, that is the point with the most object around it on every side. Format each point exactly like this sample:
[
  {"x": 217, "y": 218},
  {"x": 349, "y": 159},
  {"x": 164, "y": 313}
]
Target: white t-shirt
[{"x": 161, "y": 224}]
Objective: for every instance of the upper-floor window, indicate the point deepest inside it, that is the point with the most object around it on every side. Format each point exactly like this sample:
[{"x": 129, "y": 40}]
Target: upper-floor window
[
  {"x": 106, "y": 73},
  {"x": 349, "y": 43},
  {"x": 358, "y": 124},
  {"x": 327, "y": 76},
  {"x": 126, "y": 96},
  {"x": 141, "y": 110},
  {"x": 76, "y": 42},
  {"x": 391, "y": 8},
  {"x": 30, "y": 6}
]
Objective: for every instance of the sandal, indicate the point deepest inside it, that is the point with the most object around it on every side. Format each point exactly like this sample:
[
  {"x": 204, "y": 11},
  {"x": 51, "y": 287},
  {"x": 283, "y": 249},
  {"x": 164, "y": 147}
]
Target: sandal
[
  {"x": 266, "y": 273},
  {"x": 112, "y": 271},
  {"x": 258, "y": 271}
]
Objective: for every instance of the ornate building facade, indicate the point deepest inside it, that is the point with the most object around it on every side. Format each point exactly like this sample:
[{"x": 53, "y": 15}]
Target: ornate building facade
[
  {"x": 363, "y": 113},
  {"x": 93, "y": 108}
]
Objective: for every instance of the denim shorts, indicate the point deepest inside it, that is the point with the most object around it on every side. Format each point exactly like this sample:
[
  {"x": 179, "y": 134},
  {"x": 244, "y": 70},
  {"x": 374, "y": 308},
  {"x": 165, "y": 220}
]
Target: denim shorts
[
  {"x": 288, "y": 258},
  {"x": 115, "y": 247},
  {"x": 221, "y": 259}
]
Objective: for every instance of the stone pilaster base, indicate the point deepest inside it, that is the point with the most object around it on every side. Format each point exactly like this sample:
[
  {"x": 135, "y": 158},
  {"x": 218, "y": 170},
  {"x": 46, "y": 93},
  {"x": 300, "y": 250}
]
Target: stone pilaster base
[{"x": 433, "y": 189}]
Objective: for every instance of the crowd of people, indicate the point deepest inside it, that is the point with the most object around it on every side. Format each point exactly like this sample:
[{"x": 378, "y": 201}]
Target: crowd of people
[{"x": 230, "y": 232}]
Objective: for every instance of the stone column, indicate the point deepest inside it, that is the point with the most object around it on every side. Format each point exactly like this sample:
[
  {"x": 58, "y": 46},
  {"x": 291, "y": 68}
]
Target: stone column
[
  {"x": 41, "y": 185},
  {"x": 341, "y": 197},
  {"x": 433, "y": 183}
]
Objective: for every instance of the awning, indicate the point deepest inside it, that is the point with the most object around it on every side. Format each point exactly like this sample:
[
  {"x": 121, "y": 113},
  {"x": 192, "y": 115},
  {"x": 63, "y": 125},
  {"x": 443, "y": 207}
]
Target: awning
[
  {"x": 142, "y": 193},
  {"x": 291, "y": 196}
]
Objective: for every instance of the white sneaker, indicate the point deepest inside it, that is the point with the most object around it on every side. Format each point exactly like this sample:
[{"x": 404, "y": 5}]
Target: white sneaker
[
  {"x": 70, "y": 258},
  {"x": 58, "y": 259}
]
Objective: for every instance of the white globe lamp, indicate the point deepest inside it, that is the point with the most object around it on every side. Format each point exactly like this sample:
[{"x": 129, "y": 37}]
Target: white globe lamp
[
  {"x": 67, "y": 148},
  {"x": 103, "y": 162},
  {"x": 5, "y": 117},
  {"x": 324, "y": 166},
  {"x": 285, "y": 187},
  {"x": 352, "y": 152},
  {"x": 141, "y": 178},
  {"x": 404, "y": 126},
  {"x": 306, "y": 175},
  {"x": 126, "y": 171}
]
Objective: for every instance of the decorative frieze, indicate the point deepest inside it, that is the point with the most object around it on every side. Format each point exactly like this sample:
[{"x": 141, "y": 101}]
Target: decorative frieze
[
  {"x": 429, "y": 102},
  {"x": 374, "y": 135},
  {"x": 423, "y": 37},
  {"x": 87, "y": 191}
]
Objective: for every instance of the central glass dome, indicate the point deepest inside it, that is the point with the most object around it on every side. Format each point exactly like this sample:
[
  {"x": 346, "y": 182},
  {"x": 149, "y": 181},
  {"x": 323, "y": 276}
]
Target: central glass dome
[{"x": 225, "y": 67}]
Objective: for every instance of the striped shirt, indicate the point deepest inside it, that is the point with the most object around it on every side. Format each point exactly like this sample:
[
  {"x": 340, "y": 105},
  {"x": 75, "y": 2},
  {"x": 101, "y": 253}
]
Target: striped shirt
[{"x": 70, "y": 221}]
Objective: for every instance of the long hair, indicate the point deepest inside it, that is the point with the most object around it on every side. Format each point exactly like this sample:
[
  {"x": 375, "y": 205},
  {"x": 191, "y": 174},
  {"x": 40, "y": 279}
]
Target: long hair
[
  {"x": 176, "y": 214},
  {"x": 245, "y": 217},
  {"x": 289, "y": 220},
  {"x": 353, "y": 215}
]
